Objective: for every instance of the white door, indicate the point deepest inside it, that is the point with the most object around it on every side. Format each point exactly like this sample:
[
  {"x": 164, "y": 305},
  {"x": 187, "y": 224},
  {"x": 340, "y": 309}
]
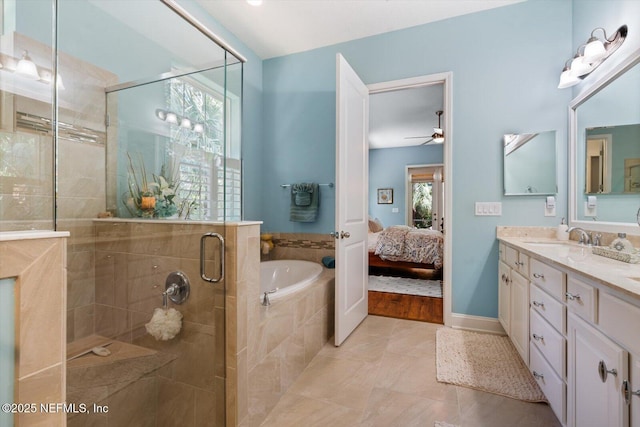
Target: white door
[{"x": 352, "y": 171}]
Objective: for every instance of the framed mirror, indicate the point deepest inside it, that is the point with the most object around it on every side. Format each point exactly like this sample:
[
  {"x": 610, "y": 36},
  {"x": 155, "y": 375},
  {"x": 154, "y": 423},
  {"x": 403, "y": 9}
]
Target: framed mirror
[
  {"x": 530, "y": 164},
  {"x": 604, "y": 151}
]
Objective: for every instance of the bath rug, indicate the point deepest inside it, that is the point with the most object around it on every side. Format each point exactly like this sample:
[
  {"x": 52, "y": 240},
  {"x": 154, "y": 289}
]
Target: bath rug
[
  {"x": 484, "y": 362},
  {"x": 401, "y": 285}
]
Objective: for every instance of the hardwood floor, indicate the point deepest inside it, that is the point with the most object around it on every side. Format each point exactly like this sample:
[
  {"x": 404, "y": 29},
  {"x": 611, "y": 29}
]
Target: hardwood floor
[{"x": 409, "y": 307}]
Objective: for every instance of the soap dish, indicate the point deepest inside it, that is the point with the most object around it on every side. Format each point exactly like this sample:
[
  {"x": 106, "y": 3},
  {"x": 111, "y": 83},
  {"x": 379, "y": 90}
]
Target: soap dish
[{"x": 631, "y": 258}]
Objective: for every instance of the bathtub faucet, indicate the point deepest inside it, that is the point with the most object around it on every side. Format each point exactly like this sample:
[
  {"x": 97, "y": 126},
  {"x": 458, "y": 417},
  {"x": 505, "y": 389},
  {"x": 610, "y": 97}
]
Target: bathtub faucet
[{"x": 265, "y": 300}]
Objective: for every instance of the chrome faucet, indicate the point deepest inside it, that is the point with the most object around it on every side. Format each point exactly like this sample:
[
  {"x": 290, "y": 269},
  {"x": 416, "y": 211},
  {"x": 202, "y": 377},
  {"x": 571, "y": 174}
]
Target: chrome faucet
[
  {"x": 585, "y": 238},
  {"x": 265, "y": 299}
]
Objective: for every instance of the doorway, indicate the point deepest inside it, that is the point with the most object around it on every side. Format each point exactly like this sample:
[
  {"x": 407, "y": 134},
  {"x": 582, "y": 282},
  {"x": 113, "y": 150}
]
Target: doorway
[{"x": 420, "y": 137}]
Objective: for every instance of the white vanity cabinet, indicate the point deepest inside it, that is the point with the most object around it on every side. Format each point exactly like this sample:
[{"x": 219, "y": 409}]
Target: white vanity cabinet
[
  {"x": 604, "y": 369},
  {"x": 582, "y": 343},
  {"x": 547, "y": 332},
  {"x": 513, "y": 298}
]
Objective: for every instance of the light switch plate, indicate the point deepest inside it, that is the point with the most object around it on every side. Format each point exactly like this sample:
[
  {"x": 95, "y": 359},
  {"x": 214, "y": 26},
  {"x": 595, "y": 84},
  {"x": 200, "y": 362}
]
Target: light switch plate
[
  {"x": 590, "y": 212},
  {"x": 488, "y": 209}
]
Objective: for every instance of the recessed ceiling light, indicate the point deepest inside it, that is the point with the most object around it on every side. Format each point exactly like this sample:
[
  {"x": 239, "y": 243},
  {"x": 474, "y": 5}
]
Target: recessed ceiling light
[{"x": 254, "y": 2}]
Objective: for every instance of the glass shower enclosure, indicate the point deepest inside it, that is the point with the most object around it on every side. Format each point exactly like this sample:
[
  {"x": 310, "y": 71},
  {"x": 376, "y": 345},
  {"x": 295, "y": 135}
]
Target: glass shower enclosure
[{"x": 128, "y": 137}]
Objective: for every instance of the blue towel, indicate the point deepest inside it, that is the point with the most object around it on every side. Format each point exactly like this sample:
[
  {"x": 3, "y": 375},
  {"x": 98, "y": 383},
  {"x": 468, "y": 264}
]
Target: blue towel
[
  {"x": 329, "y": 261},
  {"x": 299, "y": 211}
]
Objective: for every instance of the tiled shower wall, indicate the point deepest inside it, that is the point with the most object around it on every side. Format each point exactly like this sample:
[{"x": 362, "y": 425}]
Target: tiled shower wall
[{"x": 133, "y": 260}]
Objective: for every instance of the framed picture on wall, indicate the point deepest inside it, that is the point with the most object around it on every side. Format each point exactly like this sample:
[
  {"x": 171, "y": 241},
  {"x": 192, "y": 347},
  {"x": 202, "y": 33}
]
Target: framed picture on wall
[{"x": 385, "y": 196}]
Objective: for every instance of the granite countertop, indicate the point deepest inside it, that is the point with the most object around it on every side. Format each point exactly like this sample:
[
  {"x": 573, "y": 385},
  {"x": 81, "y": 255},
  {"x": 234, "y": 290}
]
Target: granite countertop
[{"x": 573, "y": 257}]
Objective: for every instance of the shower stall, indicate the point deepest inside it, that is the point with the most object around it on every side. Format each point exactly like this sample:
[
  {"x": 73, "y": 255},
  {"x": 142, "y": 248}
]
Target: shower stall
[{"x": 120, "y": 123}]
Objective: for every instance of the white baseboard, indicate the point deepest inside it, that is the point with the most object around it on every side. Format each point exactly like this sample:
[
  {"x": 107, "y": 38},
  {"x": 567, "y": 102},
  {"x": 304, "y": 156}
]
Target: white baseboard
[{"x": 476, "y": 323}]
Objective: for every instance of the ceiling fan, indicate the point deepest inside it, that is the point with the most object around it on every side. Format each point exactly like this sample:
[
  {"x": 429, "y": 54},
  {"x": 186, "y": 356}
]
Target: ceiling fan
[{"x": 437, "y": 136}]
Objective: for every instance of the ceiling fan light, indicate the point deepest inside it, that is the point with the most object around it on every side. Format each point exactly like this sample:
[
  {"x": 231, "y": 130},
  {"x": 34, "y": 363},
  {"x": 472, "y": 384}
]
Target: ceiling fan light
[{"x": 438, "y": 138}]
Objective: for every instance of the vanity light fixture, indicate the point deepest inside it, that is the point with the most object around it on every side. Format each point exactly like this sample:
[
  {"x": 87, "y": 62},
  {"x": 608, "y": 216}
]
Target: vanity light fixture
[
  {"x": 26, "y": 67},
  {"x": 183, "y": 122},
  {"x": 594, "y": 53},
  {"x": 438, "y": 134}
]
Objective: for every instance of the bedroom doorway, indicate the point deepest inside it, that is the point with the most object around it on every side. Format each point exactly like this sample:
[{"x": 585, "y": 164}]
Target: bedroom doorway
[{"x": 403, "y": 289}]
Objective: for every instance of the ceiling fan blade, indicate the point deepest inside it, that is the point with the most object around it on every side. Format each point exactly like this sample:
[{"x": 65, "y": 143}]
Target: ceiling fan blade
[
  {"x": 417, "y": 137},
  {"x": 427, "y": 141}
]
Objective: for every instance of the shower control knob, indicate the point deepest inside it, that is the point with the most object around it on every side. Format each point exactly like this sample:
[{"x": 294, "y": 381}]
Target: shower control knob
[{"x": 345, "y": 234}]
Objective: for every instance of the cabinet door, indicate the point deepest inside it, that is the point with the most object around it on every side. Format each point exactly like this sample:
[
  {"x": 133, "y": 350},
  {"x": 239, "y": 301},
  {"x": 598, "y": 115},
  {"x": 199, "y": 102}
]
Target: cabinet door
[
  {"x": 634, "y": 387},
  {"x": 520, "y": 315},
  {"x": 504, "y": 296},
  {"x": 594, "y": 398}
]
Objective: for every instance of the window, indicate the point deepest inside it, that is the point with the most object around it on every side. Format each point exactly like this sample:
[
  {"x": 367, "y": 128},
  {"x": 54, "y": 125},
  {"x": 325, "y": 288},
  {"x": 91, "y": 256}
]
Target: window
[{"x": 206, "y": 191}]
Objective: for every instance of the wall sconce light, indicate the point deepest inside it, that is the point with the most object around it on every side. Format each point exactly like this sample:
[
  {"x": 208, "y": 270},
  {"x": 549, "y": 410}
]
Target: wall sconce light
[
  {"x": 26, "y": 67},
  {"x": 594, "y": 53},
  {"x": 183, "y": 122}
]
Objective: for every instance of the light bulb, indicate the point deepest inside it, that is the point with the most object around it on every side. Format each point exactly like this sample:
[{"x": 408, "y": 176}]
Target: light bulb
[
  {"x": 567, "y": 79},
  {"x": 26, "y": 67},
  {"x": 171, "y": 118},
  {"x": 594, "y": 50},
  {"x": 185, "y": 123}
]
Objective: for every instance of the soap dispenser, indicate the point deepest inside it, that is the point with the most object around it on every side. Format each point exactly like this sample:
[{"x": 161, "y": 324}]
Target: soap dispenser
[
  {"x": 621, "y": 244},
  {"x": 561, "y": 232}
]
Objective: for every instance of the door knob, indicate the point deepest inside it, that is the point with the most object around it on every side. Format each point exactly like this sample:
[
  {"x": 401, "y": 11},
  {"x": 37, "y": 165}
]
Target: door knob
[
  {"x": 335, "y": 234},
  {"x": 345, "y": 234}
]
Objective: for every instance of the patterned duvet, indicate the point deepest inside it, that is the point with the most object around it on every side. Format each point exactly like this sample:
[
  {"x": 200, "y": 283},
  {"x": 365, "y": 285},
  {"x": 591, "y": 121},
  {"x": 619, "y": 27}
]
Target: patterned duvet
[{"x": 402, "y": 243}]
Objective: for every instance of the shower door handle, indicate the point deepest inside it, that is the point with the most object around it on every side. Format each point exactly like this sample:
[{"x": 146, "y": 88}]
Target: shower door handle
[{"x": 202, "y": 257}]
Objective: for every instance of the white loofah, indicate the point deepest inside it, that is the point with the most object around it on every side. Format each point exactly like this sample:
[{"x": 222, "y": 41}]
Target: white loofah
[{"x": 165, "y": 324}]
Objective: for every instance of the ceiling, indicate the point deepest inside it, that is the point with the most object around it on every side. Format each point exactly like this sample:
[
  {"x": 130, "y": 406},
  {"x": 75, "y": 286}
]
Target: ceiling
[
  {"x": 283, "y": 27},
  {"x": 407, "y": 113}
]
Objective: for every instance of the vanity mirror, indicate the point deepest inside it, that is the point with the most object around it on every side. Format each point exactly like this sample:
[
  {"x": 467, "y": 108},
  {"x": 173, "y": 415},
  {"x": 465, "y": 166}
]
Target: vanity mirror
[
  {"x": 530, "y": 164},
  {"x": 604, "y": 179}
]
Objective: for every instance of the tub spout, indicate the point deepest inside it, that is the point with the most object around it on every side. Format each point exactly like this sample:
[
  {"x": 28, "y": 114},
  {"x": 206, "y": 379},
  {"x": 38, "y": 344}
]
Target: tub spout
[{"x": 265, "y": 299}]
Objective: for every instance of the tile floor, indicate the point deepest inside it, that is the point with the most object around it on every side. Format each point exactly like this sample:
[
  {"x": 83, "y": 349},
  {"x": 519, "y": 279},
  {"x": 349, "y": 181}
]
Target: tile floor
[{"x": 384, "y": 375}]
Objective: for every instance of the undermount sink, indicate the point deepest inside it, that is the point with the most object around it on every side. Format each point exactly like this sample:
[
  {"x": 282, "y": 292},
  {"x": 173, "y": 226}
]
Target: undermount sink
[{"x": 547, "y": 244}]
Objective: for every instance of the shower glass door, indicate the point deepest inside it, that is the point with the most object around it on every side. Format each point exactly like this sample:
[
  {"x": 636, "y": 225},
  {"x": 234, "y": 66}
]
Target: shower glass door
[{"x": 150, "y": 163}]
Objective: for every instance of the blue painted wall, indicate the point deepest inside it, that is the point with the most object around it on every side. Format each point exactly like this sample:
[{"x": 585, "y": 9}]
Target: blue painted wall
[
  {"x": 387, "y": 168},
  {"x": 505, "y": 68}
]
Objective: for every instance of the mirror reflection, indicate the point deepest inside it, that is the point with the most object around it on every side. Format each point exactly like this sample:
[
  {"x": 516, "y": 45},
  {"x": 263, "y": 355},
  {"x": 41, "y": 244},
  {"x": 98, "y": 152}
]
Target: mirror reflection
[
  {"x": 607, "y": 143},
  {"x": 530, "y": 164},
  {"x": 613, "y": 160}
]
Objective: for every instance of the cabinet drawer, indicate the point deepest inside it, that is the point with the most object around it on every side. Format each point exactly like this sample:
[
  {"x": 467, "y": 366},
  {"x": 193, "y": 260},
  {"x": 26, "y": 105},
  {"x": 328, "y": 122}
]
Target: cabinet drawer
[
  {"x": 581, "y": 299},
  {"x": 551, "y": 385},
  {"x": 516, "y": 260},
  {"x": 619, "y": 320},
  {"x": 551, "y": 344},
  {"x": 550, "y": 309},
  {"x": 547, "y": 278}
]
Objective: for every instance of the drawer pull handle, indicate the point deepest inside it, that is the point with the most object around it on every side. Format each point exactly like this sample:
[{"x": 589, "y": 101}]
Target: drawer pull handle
[
  {"x": 628, "y": 393},
  {"x": 604, "y": 372},
  {"x": 520, "y": 263},
  {"x": 538, "y": 275},
  {"x": 504, "y": 277},
  {"x": 571, "y": 296},
  {"x": 538, "y": 304},
  {"x": 538, "y": 337},
  {"x": 538, "y": 376}
]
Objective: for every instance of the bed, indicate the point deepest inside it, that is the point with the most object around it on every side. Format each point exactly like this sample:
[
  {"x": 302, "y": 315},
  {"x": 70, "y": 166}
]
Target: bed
[{"x": 400, "y": 246}]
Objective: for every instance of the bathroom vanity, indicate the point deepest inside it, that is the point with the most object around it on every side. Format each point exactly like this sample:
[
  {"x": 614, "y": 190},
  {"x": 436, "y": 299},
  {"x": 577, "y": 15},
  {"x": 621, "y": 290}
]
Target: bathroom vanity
[{"x": 574, "y": 317}]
